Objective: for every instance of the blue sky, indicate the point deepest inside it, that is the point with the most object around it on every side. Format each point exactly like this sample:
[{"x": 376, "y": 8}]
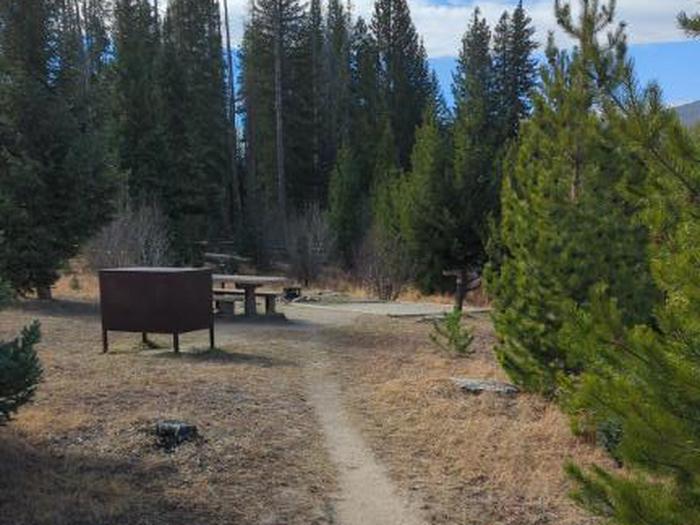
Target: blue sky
[
  {"x": 661, "y": 51},
  {"x": 674, "y": 65}
]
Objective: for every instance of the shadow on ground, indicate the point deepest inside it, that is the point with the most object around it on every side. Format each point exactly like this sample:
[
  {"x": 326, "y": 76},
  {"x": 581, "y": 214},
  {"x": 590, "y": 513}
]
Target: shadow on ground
[
  {"x": 38, "y": 487},
  {"x": 59, "y": 308},
  {"x": 218, "y": 355}
]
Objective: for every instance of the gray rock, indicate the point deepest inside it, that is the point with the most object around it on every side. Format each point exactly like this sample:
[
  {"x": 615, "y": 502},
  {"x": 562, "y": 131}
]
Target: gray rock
[
  {"x": 477, "y": 386},
  {"x": 172, "y": 433}
]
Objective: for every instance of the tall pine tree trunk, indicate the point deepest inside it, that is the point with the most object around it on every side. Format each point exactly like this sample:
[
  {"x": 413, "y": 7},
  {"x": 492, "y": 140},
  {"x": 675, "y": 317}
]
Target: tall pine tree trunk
[
  {"x": 235, "y": 197},
  {"x": 279, "y": 142}
]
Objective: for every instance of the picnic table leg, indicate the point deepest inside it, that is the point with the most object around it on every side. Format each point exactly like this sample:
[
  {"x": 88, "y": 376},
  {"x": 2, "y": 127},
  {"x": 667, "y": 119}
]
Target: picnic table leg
[
  {"x": 250, "y": 307},
  {"x": 176, "y": 342},
  {"x": 105, "y": 342},
  {"x": 270, "y": 304},
  {"x": 211, "y": 337}
]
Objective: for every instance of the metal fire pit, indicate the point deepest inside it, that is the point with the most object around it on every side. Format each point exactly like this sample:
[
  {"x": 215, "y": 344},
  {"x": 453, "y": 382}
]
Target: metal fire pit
[{"x": 156, "y": 300}]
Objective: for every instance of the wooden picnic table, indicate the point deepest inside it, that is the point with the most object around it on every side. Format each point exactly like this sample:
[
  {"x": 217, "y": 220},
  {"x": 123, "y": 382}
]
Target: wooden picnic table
[{"x": 248, "y": 283}]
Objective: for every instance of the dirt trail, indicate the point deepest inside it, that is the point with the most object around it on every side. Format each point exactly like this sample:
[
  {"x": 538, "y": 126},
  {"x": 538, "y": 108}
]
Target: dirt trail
[{"x": 367, "y": 494}]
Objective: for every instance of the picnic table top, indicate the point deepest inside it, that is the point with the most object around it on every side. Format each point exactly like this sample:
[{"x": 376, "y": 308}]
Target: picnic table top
[{"x": 252, "y": 280}]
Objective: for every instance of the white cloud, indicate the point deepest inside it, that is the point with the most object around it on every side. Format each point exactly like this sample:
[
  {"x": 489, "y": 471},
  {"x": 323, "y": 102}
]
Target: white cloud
[
  {"x": 442, "y": 23},
  {"x": 648, "y": 21}
]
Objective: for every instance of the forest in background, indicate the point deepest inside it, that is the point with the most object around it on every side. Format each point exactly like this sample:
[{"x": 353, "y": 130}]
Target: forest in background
[
  {"x": 308, "y": 138},
  {"x": 577, "y": 191}
]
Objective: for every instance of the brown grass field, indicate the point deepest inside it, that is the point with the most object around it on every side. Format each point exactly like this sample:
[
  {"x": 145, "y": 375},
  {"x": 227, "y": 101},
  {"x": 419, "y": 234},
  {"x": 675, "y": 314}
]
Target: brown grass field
[
  {"x": 84, "y": 453},
  {"x": 475, "y": 459}
]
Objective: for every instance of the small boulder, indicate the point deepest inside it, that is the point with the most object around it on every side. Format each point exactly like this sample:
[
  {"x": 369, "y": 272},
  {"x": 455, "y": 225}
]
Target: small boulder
[
  {"x": 172, "y": 433},
  {"x": 477, "y": 386}
]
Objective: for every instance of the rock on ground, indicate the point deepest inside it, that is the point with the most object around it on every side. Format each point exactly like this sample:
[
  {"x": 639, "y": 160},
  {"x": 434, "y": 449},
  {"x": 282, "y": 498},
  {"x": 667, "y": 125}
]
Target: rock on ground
[{"x": 477, "y": 386}]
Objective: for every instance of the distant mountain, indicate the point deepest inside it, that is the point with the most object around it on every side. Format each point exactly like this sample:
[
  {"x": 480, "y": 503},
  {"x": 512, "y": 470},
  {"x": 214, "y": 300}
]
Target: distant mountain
[{"x": 689, "y": 113}]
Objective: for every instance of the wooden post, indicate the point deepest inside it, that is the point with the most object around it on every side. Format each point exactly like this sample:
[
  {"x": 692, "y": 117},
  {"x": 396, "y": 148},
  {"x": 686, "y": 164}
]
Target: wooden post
[
  {"x": 105, "y": 342},
  {"x": 461, "y": 287},
  {"x": 460, "y": 290},
  {"x": 250, "y": 306},
  {"x": 211, "y": 337},
  {"x": 176, "y": 342}
]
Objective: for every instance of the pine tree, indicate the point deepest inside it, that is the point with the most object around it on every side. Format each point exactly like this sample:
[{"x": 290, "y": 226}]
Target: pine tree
[
  {"x": 427, "y": 224},
  {"x": 318, "y": 79},
  {"x": 353, "y": 175},
  {"x": 257, "y": 124},
  {"x": 387, "y": 191},
  {"x": 475, "y": 180},
  {"x": 346, "y": 209},
  {"x": 565, "y": 227},
  {"x": 367, "y": 106},
  {"x": 403, "y": 72},
  {"x": 336, "y": 95},
  {"x": 689, "y": 23},
  {"x": 57, "y": 171},
  {"x": 139, "y": 126},
  {"x": 643, "y": 375},
  {"x": 234, "y": 187},
  {"x": 20, "y": 371},
  {"x": 196, "y": 124},
  {"x": 280, "y": 105},
  {"x": 515, "y": 69}
]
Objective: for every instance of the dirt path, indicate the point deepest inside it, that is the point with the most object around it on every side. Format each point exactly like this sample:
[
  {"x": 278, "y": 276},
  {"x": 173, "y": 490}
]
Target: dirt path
[{"x": 367, "y": 496}]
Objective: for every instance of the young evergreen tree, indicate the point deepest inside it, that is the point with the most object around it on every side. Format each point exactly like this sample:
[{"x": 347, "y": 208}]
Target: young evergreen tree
[
  {"x": 346, "y": 207},
  {"x": 387, "y": 192},
  {"x": 565, "y": 227},
  {"x": 643, "y": 375},
  {"x": 20, "y": 371},
  {"x": 426, "y": 220}
]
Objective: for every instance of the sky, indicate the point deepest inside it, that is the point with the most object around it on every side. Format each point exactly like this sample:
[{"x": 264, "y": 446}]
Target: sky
[{"x": 660, "y": 50}]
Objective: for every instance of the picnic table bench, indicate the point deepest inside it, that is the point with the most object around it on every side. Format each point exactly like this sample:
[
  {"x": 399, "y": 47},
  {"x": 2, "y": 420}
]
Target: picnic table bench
[{"x": 245, "y": 287}]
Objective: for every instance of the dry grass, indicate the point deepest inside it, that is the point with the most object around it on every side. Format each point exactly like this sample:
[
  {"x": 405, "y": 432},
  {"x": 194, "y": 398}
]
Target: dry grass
[
  {"x": 84, "y": 452},
  {"x": 342, "y": 282},
  {"x": 474, "y": 459}
]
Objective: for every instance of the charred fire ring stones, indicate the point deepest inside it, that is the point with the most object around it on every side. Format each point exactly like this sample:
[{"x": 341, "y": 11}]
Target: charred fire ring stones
[{"x": 172, "y": 433}]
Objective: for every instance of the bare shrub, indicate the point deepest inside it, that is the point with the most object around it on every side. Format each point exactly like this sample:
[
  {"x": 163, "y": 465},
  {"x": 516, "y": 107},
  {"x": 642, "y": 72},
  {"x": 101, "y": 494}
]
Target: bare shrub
[
  {"x": 135, "y": 237},
  {"x": 309, "y": 243},
  {"x": 384, "y": 265}
]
